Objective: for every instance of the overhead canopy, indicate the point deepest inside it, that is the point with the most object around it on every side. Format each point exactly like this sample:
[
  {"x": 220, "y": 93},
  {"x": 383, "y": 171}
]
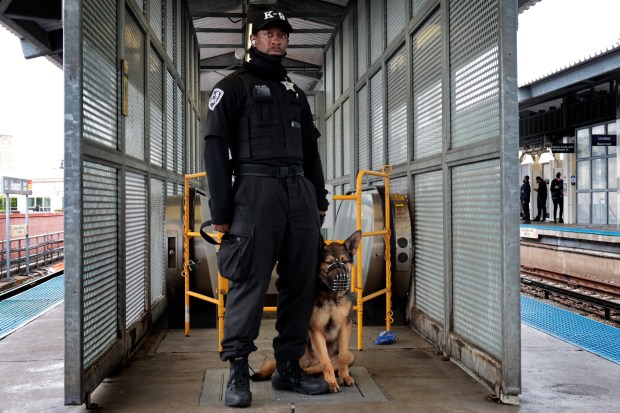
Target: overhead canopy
[
  {"x": 221, "y": 31},
  {"x": 38, "y": 23},
  {"x": 221, "y": 28}
]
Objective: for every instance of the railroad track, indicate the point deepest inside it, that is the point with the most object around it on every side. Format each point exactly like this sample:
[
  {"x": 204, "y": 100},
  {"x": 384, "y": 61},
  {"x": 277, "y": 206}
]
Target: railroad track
[{"x": 582, "y": 290}]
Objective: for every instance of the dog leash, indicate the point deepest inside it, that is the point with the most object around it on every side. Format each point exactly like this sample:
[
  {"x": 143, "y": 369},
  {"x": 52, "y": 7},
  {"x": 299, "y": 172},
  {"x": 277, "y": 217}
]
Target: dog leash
[{"x": 206, "y": 236}]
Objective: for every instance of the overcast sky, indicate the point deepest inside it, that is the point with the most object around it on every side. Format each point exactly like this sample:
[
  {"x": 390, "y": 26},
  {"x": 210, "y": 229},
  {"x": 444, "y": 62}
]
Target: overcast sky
[
  {"x": 31, "y": 108},
  {"x": 552, "y": 34},
  {"x": 556, "y": 33}
]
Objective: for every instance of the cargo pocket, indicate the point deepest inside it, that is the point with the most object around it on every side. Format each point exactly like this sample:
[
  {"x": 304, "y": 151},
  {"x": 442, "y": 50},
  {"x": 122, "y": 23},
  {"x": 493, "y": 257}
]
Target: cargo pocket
[{"x": 236, "y": 253}]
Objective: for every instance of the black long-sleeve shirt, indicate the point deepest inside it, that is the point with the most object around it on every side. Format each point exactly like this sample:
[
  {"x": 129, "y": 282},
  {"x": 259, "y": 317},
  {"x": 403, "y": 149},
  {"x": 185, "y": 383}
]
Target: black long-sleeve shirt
[
  {"x": 226, "y": 104},
  {"x": 526, "y": 191}
]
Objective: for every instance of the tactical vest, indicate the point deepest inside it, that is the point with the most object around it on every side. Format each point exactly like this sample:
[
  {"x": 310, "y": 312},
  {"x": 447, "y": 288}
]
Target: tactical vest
[{"x": 270, "y": 124}]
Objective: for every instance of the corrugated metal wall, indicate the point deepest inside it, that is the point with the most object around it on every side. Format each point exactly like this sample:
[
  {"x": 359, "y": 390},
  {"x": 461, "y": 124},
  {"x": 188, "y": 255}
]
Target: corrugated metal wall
[
  {"x": 362, "y": 129},
  {"x": 100, "y": 255},
  {"x": 100, "y": 67},
  {"x": 135, "y": 246},
  {"x": 157, "y": 205},
  {"x": 156, "y": 112},
  {"x": 376, "y": 121},
  {"x": 397, "y": 108},
  {"x": 119, "y": 167},
  {"x": 429, "y": 269},
  {"x": 426, "y": 88}
]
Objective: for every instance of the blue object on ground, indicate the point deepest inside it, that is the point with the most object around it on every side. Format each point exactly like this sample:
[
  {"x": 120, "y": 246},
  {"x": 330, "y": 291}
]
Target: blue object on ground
[{"x": 386, "y": 337}]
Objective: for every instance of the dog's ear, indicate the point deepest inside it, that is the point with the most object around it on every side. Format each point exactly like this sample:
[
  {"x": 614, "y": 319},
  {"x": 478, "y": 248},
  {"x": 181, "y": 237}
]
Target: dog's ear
[{"x": 353, "y": 242}]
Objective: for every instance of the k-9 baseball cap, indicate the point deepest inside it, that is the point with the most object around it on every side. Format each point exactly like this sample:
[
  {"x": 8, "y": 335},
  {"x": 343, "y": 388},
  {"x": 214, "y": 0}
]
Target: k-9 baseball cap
[{"x": 269, "y": 18}]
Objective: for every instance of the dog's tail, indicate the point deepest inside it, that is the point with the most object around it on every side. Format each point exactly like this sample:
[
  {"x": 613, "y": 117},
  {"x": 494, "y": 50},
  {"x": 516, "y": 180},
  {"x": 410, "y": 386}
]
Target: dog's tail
[{"x": 266, "y": 371}]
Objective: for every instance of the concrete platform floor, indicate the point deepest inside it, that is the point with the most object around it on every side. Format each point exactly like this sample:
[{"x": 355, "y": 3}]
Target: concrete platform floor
[{"x": 168, "y": 375}]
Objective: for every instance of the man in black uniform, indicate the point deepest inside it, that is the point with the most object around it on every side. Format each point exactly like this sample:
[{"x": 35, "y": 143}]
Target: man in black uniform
[
  {"x": 541, "y": 199},
  {"x": 525, "y": 199},
  {"x": 557, "y": 196},
  {"x": 272, "y": 213}
]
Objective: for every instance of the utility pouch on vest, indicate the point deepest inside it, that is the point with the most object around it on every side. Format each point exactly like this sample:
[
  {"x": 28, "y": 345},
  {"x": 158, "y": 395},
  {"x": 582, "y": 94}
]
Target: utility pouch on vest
[{"x": 236, "y": 253}]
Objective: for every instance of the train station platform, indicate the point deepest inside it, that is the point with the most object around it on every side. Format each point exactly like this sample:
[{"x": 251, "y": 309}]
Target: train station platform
[{"x": 174, "y": 373}]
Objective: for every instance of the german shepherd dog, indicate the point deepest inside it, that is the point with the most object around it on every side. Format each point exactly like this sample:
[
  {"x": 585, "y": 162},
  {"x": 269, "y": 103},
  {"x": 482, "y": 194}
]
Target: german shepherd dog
[{"x": 327, "y": 349}]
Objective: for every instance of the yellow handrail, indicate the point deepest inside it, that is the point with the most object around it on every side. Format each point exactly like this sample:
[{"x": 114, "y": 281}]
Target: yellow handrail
[{"x": 357, "y": 284}]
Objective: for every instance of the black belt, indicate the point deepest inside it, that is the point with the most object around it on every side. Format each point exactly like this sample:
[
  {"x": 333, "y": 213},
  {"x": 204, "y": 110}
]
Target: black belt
[{"x": 270, "y": 171}]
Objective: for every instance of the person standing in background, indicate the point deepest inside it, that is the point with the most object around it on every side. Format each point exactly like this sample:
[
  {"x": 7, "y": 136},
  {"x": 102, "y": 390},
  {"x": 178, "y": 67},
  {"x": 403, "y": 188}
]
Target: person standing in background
[
  {"x": 541, "y": 199},
  {"x": 557, "y": 196},
  {"x": 526, "y": 190}
]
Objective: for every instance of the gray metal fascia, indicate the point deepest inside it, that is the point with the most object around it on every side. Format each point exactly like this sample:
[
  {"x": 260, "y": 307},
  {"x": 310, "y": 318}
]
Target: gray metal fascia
[{"x": 588, "y": 70}]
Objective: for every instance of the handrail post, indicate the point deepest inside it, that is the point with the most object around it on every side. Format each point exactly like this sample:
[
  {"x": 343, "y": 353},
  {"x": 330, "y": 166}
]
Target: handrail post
[
  {"x": 185, "y": 271},
  {"x": 359, "y": 289},
  {"x": 387, "y": 169},
  {"x": 360, "y": 271}
]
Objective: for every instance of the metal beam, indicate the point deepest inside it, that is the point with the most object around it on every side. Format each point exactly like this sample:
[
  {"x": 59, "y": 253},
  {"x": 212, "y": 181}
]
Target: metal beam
[
  {"x": 203, "y": 14},
  {"x": 229, "y": 61},
  {"x": 599, "y": 66}
]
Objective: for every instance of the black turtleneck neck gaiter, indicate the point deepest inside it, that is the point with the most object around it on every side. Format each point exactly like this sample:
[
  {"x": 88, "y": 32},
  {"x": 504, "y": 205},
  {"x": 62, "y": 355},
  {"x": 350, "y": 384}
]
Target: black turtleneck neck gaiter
[{"x": 264, "y": 65}]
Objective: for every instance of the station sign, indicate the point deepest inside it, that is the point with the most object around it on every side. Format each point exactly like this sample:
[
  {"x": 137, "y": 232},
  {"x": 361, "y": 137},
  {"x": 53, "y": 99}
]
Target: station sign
[
  {"x": 19, "y": 230},
  {"x": 15, "y": 186},
  {"x": 603, "y": 140},
  {"x": 529, "y": 232},
  {"x": 563, "y": 148}
]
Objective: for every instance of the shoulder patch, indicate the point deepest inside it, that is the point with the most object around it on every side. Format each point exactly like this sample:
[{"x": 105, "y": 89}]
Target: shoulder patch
[{"x": 215, "y": 98}]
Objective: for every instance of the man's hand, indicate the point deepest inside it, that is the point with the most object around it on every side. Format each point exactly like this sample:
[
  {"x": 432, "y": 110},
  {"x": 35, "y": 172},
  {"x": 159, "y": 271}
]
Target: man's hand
[
  {"x": 224, "y": 228},
  {"x": 322, "y": 216}
]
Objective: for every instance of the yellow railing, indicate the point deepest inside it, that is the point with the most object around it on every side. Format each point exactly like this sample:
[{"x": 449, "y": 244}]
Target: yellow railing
[
  {"x": 357, "y": 285},
  {"x": 222, "y": 283}
]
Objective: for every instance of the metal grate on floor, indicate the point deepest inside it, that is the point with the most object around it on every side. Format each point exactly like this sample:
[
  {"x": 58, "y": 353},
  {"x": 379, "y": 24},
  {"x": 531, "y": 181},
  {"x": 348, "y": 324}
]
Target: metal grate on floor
[
  {"x": 365, "y": 389},
  {"x": 24, "y": 307},
  {"x": 590, "y": 335}
]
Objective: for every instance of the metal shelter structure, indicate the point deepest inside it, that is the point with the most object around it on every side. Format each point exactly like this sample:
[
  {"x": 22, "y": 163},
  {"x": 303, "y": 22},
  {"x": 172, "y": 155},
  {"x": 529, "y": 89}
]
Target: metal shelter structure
[{"x": 428, "y": 86}]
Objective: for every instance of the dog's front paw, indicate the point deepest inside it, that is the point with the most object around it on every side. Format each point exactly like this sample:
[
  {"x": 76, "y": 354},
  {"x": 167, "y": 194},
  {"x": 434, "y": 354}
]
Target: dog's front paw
[
  {"x": 333, "y": 387},
  {"x": 346, "y": 381}
]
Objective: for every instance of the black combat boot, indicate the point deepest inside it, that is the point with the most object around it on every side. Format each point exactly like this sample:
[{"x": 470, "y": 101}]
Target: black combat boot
[
  {"x": 289, "y": 376},
  {"x": 238, "y": 388}
]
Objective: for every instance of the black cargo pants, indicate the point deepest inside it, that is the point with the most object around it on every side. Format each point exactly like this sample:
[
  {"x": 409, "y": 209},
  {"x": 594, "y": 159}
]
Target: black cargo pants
[{"x": 280, "y": 220}]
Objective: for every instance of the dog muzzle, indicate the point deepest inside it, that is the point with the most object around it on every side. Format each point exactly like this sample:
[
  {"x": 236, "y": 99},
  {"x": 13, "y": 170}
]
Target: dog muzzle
[{"x": 338, "y": 277}]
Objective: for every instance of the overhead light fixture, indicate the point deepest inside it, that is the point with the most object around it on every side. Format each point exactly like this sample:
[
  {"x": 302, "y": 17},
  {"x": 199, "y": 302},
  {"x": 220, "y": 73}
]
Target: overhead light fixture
[
  {"x": 263, "y": 2},
  {"x": 546, "y": 156},
  {"x": 527, "y": 159}
]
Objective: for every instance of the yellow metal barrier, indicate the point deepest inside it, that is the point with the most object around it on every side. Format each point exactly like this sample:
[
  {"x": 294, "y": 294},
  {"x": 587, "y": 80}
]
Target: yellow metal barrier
[
  {"x": 222, "y": 283},
  {"x": 357, "y": 285}
]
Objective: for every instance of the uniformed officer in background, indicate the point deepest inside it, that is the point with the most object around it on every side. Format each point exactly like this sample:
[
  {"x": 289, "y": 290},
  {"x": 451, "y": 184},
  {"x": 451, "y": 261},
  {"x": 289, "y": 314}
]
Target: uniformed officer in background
[
  {"x": 525, "y": 199},
  {"x": 272, "y": 213}
]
